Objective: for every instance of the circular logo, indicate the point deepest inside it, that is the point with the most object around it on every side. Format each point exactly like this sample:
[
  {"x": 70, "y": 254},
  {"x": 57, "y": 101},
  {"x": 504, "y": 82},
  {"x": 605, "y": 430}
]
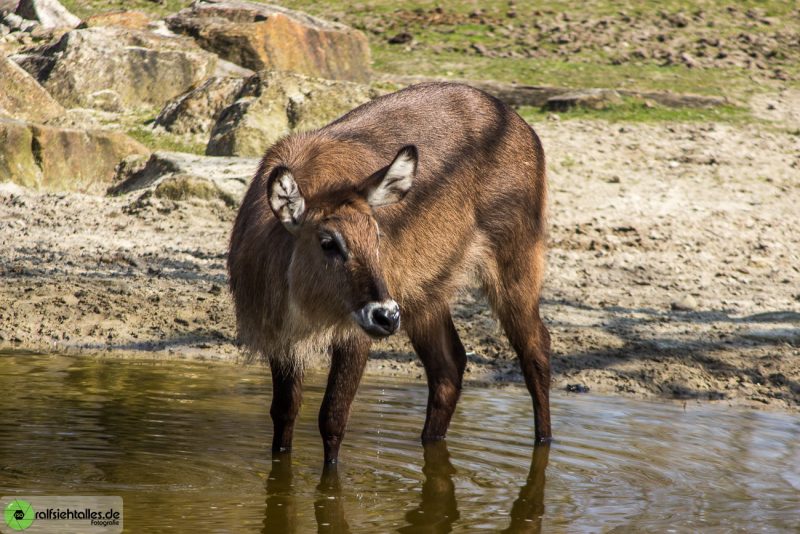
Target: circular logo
[{"x": 18, "y": 514}]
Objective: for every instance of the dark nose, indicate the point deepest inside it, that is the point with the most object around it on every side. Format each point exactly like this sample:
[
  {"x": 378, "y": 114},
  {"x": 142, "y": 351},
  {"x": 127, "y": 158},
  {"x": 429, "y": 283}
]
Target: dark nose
[{"x": 387, "y": 318}]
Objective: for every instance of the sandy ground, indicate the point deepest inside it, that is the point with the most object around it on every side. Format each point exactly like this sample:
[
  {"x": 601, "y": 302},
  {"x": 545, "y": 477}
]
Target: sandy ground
[{"x": 674, "y": 269}]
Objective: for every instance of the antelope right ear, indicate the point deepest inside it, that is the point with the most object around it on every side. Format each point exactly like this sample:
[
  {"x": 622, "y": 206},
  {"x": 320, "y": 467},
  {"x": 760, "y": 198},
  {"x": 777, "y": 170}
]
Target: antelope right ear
[
  {"x": 286, "y": 199},
  {"x": 393, "y": 185}
]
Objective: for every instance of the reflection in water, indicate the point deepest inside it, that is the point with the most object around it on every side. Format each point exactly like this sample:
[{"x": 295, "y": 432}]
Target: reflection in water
[
  {"x": 435, "y": 513},
  {"x": 329, "y": 506},
  {"x": 528, "y": 509},
  {"x": 438, "y": 508},
  {"x": 281, "y": 513},
  {"x": 186, "y": 445}
]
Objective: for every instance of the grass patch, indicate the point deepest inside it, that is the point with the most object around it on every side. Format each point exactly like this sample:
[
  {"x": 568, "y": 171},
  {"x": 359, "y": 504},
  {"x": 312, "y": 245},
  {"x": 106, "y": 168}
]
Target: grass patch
[
  {"x": 87, "y": 8},
  {"x": 646, "y": 77},
  {"x": 163, "y": 141},
  {"x": 636, "y": 110}
]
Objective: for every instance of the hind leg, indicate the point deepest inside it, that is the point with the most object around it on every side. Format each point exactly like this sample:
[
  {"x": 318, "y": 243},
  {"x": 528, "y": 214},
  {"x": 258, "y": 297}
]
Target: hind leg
[
  {"x": 437, "y": 343},
  {"x": 514, "y": 294}
]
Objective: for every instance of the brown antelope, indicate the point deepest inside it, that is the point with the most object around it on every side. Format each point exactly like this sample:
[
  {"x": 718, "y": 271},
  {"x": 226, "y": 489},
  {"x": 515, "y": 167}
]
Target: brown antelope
[{"x": 376, "y": 220}]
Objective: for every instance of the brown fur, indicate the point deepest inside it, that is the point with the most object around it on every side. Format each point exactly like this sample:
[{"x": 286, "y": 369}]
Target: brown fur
[{"x": 476, "y": 206}]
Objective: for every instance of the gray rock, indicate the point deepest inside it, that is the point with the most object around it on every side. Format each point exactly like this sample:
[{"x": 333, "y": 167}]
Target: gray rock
[
  {"x": 273, "y": 104},
  {"x": 17, "y": 23},
  {"x": 143, "y": 68},
  {"x": 180, "y": 176},
  {"x": 227, "y": 69},
  {"x": 198, "y": 110},
  {"x": 587, "y": 99},
  {"x": 49, "y": 13}
]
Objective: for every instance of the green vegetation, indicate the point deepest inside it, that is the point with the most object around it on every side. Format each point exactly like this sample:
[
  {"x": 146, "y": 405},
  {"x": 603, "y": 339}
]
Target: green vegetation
[
  {"x": 164, "y": 141},
  {"x": 86, "y": 8},
  {"x": 566, "y": 44},
  {"x": 703, "y": 47},
  {"x": 636, "y": 110}
]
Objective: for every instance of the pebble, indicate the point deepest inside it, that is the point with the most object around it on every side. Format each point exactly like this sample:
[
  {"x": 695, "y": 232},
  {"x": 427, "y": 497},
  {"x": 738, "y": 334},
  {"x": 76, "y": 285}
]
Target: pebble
[{"x": 687, "y": 303}]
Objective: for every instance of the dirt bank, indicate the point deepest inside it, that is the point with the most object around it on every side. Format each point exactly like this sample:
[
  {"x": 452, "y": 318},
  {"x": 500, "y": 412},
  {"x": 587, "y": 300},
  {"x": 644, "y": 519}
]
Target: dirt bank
[{"x": 674, "y": 269}]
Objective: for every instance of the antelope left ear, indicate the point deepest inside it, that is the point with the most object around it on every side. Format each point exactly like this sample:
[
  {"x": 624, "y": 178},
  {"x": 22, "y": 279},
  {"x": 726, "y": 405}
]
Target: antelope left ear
[
  {"x": 286, "y": 199},
  {"x": 393, "y": 185}
]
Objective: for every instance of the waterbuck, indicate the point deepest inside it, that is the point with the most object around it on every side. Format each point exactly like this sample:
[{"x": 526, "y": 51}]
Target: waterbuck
[{"x": 373, "y": 222}]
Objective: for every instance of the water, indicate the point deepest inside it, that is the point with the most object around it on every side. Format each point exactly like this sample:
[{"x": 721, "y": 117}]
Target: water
[{"x": 187, "y": 447}]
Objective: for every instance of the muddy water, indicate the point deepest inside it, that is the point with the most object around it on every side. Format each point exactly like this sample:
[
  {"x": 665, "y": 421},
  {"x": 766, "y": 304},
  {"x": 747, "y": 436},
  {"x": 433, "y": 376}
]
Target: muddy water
[{"x": 186, "y": 446}]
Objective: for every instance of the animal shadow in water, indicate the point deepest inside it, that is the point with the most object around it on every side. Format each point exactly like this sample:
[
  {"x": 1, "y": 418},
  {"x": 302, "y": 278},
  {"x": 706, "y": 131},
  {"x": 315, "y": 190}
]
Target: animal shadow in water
[
  {"x": 438, "y": 509},
  {"x": 281, "y": 513},
  {"x": 436, "y": 512},
  {"x": 528, "y": 509}
]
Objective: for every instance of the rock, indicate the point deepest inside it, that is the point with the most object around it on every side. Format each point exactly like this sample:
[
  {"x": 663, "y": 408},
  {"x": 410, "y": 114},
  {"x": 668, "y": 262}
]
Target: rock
[
  {"x": 135, "y": 20},
  {"x": 228, "y": 69},
  {"x": 273, "y": 104},
  {"x": 577, "y": 388},
  {"x": 259, "y": 37},
  {"x": 687, "y": 303},
  {"x": 17, "y": 161},
  {"x": 60, "y": 159},
  {"x": 49, "y": 13},
  {"x": 180, "y": 176},
  {"x": 586, "y": 99},
  {"x": 143, "y": 68},
  {"x": 105, "y": 100},
  {"x": 198, "y": 110},
  {"x": 15, "y": 22},
  {"x": 8, "y": 6},
  {"x": 22, "y": 97}
]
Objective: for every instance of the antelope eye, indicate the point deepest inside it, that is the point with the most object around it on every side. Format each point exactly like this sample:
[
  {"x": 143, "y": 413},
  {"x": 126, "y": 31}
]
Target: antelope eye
[{"x": 330, "y": 246}]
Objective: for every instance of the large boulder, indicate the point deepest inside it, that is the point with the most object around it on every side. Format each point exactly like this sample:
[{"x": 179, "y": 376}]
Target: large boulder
[
  {"x": 8, "y": 6},
  {"x": 179, "y": 176},
  {"x": 49, "y": 13},
  {"x": 17, "y": 161},
  {"x": 197, "y": 111},
  {"x": 260, "y": 36},
  {"x": 22, "y": 97},
  {"x": 274, "y": 104},
  {"x": 142, "y": 68},
  {"x": 61, "y": 159}
]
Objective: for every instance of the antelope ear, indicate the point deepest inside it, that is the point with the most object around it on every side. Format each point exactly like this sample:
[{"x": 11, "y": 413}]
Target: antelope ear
[
  {"x": 393, "y": 185},
  {"x": 286, "y": 199}
]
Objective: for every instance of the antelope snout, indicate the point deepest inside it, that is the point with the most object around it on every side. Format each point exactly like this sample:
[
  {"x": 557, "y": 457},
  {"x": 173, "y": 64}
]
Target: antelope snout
[{"x": 379, "y": 319}]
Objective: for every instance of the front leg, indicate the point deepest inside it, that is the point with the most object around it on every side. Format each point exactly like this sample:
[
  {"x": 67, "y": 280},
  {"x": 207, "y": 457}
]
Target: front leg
[
  {"x": 287, "y": 394},
  {"x": 437, "y": 344},
  {"x": 348, "y": 359}
]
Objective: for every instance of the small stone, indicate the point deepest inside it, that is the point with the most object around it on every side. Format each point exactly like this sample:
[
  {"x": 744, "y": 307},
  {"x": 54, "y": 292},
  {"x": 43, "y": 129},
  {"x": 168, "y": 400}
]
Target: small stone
[
  {"x": 687, "y": 303},
  {"x": 401, "y": 38},
  {"x": 480, "y": 49},
  {"x": 577, "y": 388}
]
